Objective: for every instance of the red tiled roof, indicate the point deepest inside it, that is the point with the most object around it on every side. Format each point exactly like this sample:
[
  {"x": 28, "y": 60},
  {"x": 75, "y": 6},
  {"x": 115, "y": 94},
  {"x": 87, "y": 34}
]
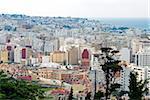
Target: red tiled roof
[{"x": 25, "y": 77}]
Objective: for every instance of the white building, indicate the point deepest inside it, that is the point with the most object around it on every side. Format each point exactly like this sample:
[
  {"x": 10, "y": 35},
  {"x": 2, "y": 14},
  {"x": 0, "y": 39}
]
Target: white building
[
  {"x": 96, "y": 61},
  {"x": 2, "y": 46},
  {"x": 45, "y": 59},
  {"x": 51, "y": 46},
  {"x": 135, "y": 45},
  {"x": 125, "y": 75},
  {"x": 140, "y": 71},
  {"x": 124, "y": 80},
  {"x": 34, "y": 60},
  {"x": 125, "y": 55},
  {"x": 142, "y": 58},
  {"x": 17, "y": 55},
  {"x": 147, "y": 76}
]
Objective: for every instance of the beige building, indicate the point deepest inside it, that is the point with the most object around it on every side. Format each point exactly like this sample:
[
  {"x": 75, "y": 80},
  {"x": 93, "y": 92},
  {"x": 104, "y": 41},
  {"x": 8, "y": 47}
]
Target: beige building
[
  {"x": 48, "y": 73},
  {"x": 73, "y": 56},
  {"x": 45, "y": 73},
  {"x": 4, "y": 56},
  {"x": 60, "y": 57},
  {"x": 74, "y": 77},
  {"x": 28, "y": 56}
]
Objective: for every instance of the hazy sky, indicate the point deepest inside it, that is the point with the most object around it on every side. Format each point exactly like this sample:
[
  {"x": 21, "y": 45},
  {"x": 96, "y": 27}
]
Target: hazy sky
[{"x": 77, "y": 8}]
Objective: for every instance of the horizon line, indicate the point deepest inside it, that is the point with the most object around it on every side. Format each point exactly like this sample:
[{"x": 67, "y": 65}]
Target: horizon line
[{"x": 1, "y": 13}]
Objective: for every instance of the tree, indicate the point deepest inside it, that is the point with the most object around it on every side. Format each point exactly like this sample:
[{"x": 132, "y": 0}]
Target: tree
[
  {"x": 137, "y": 89},
  {"x": 110, "y": 67},
  {"x": 88, "y": 96},
  {"x": 3, "y": 80},
  {"x": 114, "y": 89},
  {"x": 71, "y": 94},
  {"x": 98, "y": 95},
  {"x": 121, "y": 93},
  {"x": 11, "y": 88}
]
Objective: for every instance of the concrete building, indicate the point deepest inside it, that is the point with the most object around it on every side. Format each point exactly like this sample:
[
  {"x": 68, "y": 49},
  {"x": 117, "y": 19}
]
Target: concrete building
[
  {"x": 33, "y": 61},
  {"x": 61, "y": 41},
  {"x": 142, "y": 58},
  {"x": 51, "y": 46},
  {"x": 140, "y": 71},
  {"x": 144, "y": 43},
  {"x": 125, "y": 55},
  {"x": 4, "y": 56},
  {"x": 45, "y": 73},
  {"x": 60, "y": 57},
  {"x": 96, "y": 61},
  {"x": 45, "y": 59},
  {"x": 125, "y": 75},
  {"x": 10, "y": 48},
  {"x": 147, "y": 76},
  {"x": 73, "y": 56},
  {"x": 85, "y": 58},
  {"x": 124, "y": 79},
  {"x": 17, "y": 55},
  {"x": 26, "y": 55},
  {"x": 72, "y": 77},
  {"x": 2, "y": 46},
  {"x": 135, "y": 46}
]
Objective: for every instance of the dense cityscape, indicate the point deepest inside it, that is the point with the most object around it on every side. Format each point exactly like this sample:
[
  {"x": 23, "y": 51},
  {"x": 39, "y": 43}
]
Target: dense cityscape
[{"x": 64, "y": 54}]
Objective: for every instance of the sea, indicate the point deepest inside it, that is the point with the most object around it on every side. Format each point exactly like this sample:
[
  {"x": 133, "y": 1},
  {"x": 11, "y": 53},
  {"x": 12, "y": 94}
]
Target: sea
[{"x": 143, "y": 23}]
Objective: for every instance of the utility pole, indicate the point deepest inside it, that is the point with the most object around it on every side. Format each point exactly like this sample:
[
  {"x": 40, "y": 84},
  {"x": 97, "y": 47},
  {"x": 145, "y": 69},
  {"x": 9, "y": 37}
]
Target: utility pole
[
  {"x": 107, "y": 83},
  {"x": 44, "y": 45},
  {"x": 95, "y": 83}
]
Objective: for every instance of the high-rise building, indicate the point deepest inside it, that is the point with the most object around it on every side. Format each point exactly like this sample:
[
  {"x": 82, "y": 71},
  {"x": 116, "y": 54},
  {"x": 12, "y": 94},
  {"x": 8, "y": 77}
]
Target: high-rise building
[
  {"x": 51, "y": 46},
  {"x": 17, "y": 55},
  {"x": 125, "y": 75},
  {"x": 73, "y": 56},
  {"x": 10, "y": 48},
  {"x": 125, "y": 55},
  {"x": 135, "y": 46},
  {"x": 140, "y": 71},
  {"x": 60, "y": 57},
  {"x": 85, "y": 54},
  {"x": 96, "y": 61},
  {"x": 45, "y": 59},
  {"x": 124, "y": 79},
  {"x": 147, "y": 76},
  {"x": 142, "y": 58},
  {"x": 4, "y": 56},
  {"x": 24, "y": 53},
  {"x": 85, "y": 58}
]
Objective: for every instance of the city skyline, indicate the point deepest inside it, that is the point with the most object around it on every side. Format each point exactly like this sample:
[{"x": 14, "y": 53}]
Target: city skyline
[
  {"x": 69, "y": 57},
  {"x": 78, "y": 8}
]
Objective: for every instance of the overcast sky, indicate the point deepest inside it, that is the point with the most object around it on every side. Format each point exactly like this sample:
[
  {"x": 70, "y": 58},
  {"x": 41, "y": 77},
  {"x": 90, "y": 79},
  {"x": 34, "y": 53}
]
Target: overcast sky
[{"x": 77, "y": 8}]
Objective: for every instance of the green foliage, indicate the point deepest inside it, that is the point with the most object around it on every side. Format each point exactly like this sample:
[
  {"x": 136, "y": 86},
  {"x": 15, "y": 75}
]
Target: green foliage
[
  {"x": 98, "y": 95},
  {"x": 88, "y": 96},
  {"x": 110, "y": 67},
  {"x": 71, "y": 94},
  {"x": 121, "y": 93},
  {"x": 137, "y": 88},
  {"x": 114, "y": 87},
  {"x": 11, "y": 88}
]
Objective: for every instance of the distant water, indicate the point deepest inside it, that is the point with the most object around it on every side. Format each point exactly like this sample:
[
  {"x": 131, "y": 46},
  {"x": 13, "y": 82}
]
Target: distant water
[{"x": 143, "y": 23}]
